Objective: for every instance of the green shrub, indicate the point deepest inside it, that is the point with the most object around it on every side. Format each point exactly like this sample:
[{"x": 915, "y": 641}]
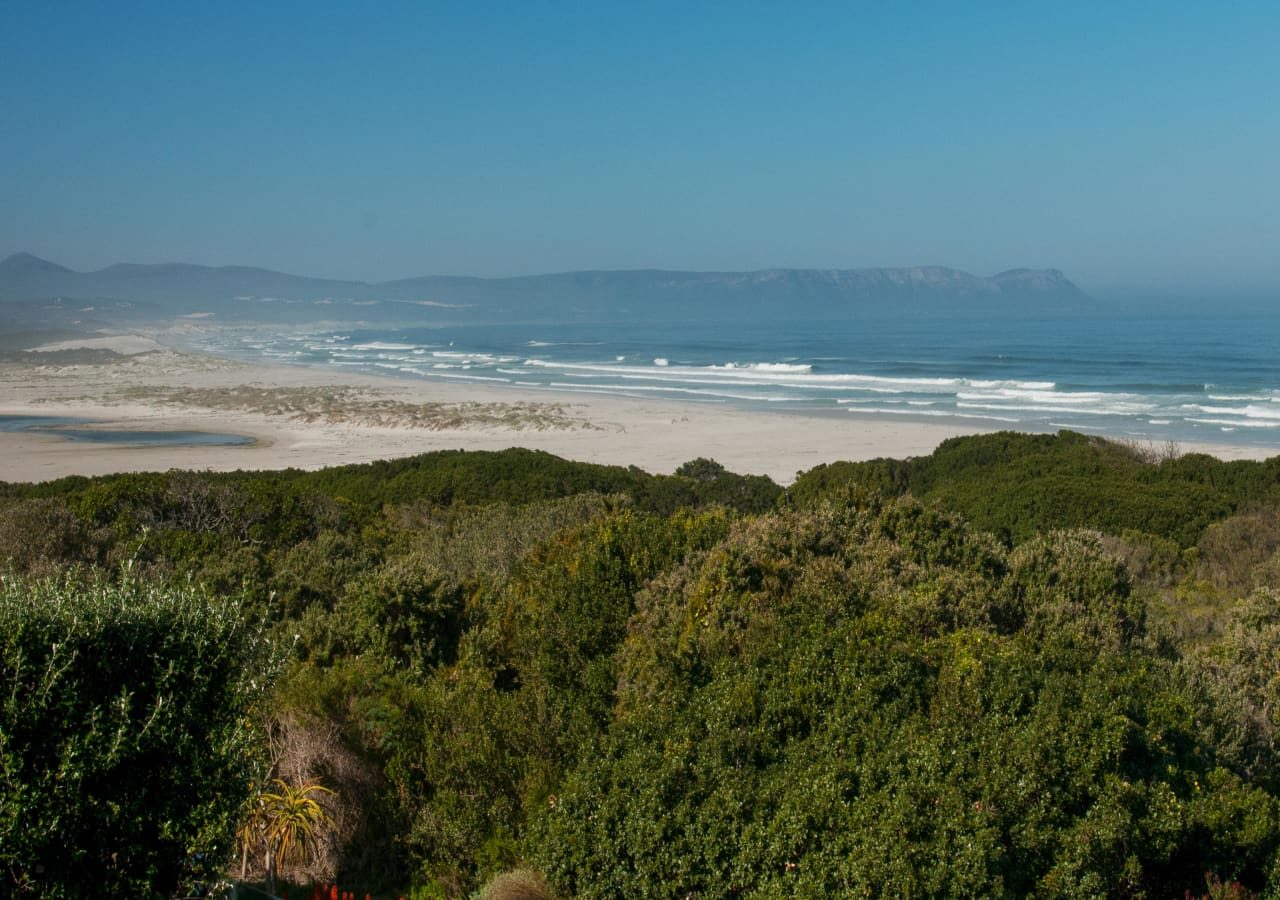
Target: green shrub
[
  {"x": 125, "y": 739},
  {"x": 1016, "y": 485},
  {"x": 42, "y": 535},
  {"x": 1236, "y": 678},
  {"x": 874, "y": 700}
]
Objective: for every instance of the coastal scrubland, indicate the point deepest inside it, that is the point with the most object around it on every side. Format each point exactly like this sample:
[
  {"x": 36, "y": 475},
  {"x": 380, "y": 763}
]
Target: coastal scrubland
[{"x": 1023, "y": 665}]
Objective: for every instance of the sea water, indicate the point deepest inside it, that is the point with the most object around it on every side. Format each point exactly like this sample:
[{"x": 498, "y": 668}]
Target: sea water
[{"x": 1143, "y": 376}]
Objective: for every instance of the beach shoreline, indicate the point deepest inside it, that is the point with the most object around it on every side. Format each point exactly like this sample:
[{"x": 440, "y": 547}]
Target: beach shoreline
[{"x": 310, "y": 417}]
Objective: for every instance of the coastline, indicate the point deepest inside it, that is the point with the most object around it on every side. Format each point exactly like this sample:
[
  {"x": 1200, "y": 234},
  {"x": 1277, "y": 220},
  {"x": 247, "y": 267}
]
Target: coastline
[{"x": 310, "y": 417}]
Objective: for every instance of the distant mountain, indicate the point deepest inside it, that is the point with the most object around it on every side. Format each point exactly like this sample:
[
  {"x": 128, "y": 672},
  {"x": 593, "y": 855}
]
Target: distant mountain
[
  {"x": 1035, "y": 281},
  {"x": 243, "y": 293},
  {"x": 23, "y": 275},
  {"x": 23, "y": 264}
]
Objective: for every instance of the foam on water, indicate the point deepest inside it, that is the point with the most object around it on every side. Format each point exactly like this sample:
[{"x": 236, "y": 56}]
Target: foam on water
[
  {"x": 766, "y": 367},
  {"x": 877, "y": 411},
  {"x": 1250, "y": 411}
]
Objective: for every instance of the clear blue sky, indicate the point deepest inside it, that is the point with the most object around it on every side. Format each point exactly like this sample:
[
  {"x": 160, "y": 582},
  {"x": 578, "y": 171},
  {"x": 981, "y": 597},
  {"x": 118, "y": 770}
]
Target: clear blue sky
[{"x": 1134, "y": 145}]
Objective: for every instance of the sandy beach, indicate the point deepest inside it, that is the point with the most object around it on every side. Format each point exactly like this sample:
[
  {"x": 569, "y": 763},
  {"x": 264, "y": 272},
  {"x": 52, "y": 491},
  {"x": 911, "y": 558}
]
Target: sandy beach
[{"x": 310, "y": 417}]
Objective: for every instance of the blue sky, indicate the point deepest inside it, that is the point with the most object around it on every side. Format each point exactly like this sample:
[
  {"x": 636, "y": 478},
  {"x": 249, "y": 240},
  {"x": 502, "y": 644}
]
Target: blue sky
[{"x": 1134, "y": 145}]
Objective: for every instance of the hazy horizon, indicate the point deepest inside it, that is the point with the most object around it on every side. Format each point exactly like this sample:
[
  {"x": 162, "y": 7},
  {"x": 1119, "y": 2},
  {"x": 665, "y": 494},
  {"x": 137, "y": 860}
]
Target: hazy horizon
[
  {"x": 1225, "y": 298},
  {"x": 19, "y": 251},
  {"x": 1126, "y": 147}
]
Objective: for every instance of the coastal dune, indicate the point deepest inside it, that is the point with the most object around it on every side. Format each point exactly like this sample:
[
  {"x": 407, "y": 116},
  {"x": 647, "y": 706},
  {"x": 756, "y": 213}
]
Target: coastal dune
[{"x": 313, "y": 417}]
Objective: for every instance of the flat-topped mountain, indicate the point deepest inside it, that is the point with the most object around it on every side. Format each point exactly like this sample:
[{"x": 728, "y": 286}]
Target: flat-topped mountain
[{"x": 240, "y": 292}]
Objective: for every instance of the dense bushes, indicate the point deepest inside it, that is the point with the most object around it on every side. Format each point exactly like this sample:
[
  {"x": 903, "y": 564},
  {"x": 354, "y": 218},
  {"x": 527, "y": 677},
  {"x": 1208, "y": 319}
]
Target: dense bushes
[
  {"x": 873, "y": 701},
  {"x": 1016, "y": 485},
  {"x": 231, "y": 528},
  {"x": 671, "y": 685},
  {"x": 1238, "y": 679},
  {"x": 472, "y": 739},
  {"x": 125, "y": 750}
]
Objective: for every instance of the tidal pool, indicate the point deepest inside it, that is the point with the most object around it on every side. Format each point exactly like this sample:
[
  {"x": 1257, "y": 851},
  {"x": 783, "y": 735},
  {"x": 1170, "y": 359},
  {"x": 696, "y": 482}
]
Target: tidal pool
[{"x": 73, "y": 429}]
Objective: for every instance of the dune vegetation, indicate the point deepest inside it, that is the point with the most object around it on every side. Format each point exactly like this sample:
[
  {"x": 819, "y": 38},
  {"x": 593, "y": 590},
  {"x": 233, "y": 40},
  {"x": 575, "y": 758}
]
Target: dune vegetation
[{"x": 1026, "y": 665}]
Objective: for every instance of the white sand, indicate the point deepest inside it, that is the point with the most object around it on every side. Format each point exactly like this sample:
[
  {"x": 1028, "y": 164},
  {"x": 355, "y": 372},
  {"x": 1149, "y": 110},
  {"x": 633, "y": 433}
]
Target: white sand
[{"x": 655, "y": 435}]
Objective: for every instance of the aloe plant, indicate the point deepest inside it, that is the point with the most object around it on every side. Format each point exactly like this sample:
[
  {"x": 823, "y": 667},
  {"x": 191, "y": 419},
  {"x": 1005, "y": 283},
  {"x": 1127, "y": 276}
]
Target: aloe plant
[{"x": 287, "y": 823}]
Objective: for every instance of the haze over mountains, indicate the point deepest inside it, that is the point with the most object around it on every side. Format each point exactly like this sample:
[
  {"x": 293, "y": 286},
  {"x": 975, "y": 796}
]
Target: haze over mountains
[{"x": 239, "y": 293}]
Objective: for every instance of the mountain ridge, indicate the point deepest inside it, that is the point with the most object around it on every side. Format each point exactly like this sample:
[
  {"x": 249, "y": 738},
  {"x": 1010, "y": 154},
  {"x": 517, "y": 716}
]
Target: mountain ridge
[{"x": 179, "y": 288}]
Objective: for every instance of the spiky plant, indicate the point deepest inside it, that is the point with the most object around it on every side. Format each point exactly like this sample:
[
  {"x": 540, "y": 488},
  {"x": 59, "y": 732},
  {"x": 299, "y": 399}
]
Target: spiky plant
[{"x": 291, "y": 821}]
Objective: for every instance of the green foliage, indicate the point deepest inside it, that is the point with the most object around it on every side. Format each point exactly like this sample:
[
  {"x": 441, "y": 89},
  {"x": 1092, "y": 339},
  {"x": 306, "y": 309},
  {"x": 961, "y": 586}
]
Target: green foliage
[
  {"x": 455, "y": 476},
  {"x": 518, "y": 476},
  {"x": 528, "y": 688},
  {"x": 1016, "y": 485},
  {"x": 874, "y": 700},
  {"x": 368, "y": 714},
  {"x": 701, "y": 469},
  {"x": 664, "y": 685},
  {"x": 304, "y": 535},
  {"x": 41, "y": 534},
  {"x": 1151, "y": 560},
  {"x": 1237, "y": 681},
  {"x": 313, "y": 572},
  {"x": 125, "y": 747},
  {"x": 483, "y": 545},
  {"x": 462, "y": 770},
  {"x": 702, "y": 482},
  {"x": 405, "y": 612},
  {"x": 289, "y": 820},
  {"x": 566, "y": 612},
  {"x": 1069, "y": 591},
  {"x": 1234, "y": 554}
]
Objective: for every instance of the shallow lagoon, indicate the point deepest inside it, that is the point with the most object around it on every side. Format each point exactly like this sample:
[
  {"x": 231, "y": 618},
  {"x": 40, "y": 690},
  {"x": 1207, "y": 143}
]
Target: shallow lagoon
[{"x": 74, "y": 429}]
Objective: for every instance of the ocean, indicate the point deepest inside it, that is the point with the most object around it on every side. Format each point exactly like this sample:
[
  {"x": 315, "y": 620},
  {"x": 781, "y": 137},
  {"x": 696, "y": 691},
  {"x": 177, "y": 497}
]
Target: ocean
[{"x": 1188, "y": 377}]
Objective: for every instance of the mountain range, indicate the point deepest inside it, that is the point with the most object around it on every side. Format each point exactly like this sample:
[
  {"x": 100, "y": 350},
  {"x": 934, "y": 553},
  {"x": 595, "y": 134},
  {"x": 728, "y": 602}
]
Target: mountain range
[{"x": 245, "y": 293}]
